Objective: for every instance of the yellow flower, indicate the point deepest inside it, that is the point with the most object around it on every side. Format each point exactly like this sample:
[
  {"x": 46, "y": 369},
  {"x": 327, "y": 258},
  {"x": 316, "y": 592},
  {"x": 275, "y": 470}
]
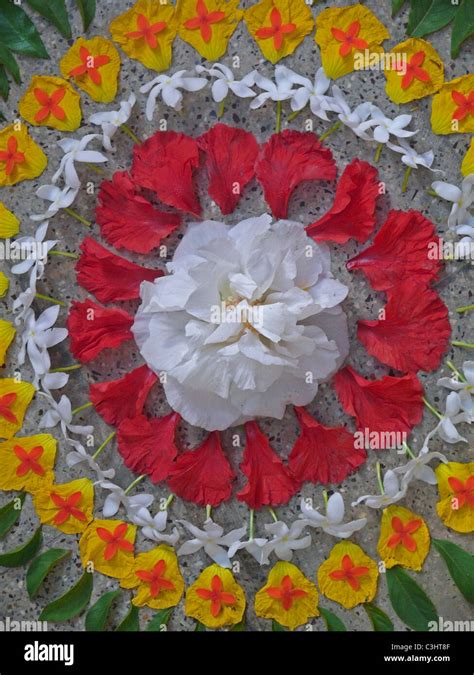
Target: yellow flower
[
  {"x": 26, "y": 463},
  {"x": 207, "y": 25},
  {"x": 15, "y": 397},
  {"x": 343, "y": 33},
  {"x": 4, "y": 284},
  {"x": 215, "y": 599},
  {"x": 7, "y": 333},
  {"x": 453, "y": 107},
  {"x": 456, "y": 491},
  {"x": 288, "y": 596},
  {"x": 108, "y": 546},
  {"x": 421, "y": 72},
  {"x": 279, "y": 26},
  {"x": 348, "y": 576},
  {"x": 157, "y": 576},
  {"x": 404, "y": 538},
  {"x": 20, "y": 159},
  {"x": 467, "y": 166},
  {"x": 51, "y": 102},
  {"x": 68, "y": 506},
  {"x": 146, "y": 33},
  {"x": 94, "y": 65},
  {"x": 9, "y": 223}
]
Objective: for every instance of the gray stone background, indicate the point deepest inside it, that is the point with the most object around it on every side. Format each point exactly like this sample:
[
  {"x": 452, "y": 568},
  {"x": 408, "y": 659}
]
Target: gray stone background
[{"x": 308, "y": 203}]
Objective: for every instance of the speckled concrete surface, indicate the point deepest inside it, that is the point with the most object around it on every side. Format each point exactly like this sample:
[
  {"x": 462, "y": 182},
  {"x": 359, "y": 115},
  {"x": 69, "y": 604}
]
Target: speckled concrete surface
[{"x": 308, "y": 202}]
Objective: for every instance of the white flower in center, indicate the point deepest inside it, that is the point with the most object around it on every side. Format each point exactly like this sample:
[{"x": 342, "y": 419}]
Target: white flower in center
[{"x": 247, "y": 322}]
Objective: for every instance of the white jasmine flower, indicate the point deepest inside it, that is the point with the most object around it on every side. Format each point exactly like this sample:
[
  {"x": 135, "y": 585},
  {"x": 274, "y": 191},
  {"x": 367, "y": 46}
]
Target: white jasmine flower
[
  {"x": 386, "y": 127},
  {"x": 225, "y": 81},
  {"x": 254, "y": 546},
  {"x": 417, "y": 467},
  {"x": 331, "y": 523},
  {"x": 313, "y": 93},
  {"x": 25, "y": 299},
  {"x": 280, "y": 90},
  {"x": 37, "y": 337},
  {"x": 393, "y": 492},
  {"x": 60, "y": 199},
  {"x": 113, "y": 120},
  {"x": 36, "y": 250},
  {"x": 153, "y": 527},
  {"x": 54, "y": 381},
  {"x": 465, "y": 390},
  {"x": 462, "y": 199},
  {"x": 61, "y": 413},
  {"x": 285, "y": 540},
  {"x": 212, "y": 539},
  {"x": 454, "y": 414},
  {"x": 81, "y": 456},
  {"x": 76, "y": 151},
  {"x": 118, "y": 497},
  {"x": 169, "y": 87},
  {"x": 358, "y": 119},
  {"x": 411, "y": 158}
]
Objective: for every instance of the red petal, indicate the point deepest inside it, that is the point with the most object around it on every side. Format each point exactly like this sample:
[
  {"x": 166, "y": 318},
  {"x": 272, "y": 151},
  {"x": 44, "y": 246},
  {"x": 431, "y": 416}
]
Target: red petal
[
  {"x": 147, "y": 445},
  {"x": 415, "y": 332},
  {"x": 287, "y": 160},
  {"x": 323, "y": 454},
  {"x": 203, "y": 476},
  {"x": 269, "y": 481},
  {"x": 93, "y": 328},
  {"x": 352, "y": 215},
  {"x": 391, "y": 404},
  {"x": 128, "y": 220},
  {"x": 164, "y": 163},
  {"x": 108, "y": 276},
  {"x": 401, "y": 249},
  {"x": 230, "y": 161},
  {"x": 123, "y": 398}
]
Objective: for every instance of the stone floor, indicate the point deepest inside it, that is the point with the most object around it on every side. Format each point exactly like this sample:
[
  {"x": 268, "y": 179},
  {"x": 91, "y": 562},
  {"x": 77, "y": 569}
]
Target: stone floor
[{"x": 311, "y": 200}]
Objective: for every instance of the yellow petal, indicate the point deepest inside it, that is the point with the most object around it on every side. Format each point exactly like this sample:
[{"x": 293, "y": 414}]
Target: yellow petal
[
  {"x": 4, "y": 284},
  {"x": 371, "y": 31},
  {"x": 294, "y": 15},
  {"x": 15, "y": 397},
  {"x": 454, "y": 514},
  {"x": 7, "y": 333},
  {"x": 200, "y": 608},
  {"x": 70, "y": 105},
  {"x": 50, "y": 513},
  {"x": 82, "y": 63},
  {"x": 159, "y": 57},
  {"x": 302, "y": 608},
  {"x": 93, "y": 549},
  {"x": 416, "y": 88},
  {"x": 212, "y": 38},
  {"x": 11, "y": 475},
  {"x": 467, "y": 166},
  {"x": 400, "y": 554},
  {"x": 9, "y": 223},
  {"x": 444, "y": 108},
  {"x": 31, "y": 160},
  {"x": 340, "y": 590}
]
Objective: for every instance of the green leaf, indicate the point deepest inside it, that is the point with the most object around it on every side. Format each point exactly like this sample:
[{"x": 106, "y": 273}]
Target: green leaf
[
  {"x": 10, "y": 513},
  {"x": 4, "y": 83},
  {"x": 9, "y": 61},
  {"x": 41, "y": 566},
  {"x": 409, "y": 601},
  {"x": 18, "y": 32},
  {"x": 97, "y": 615},
  {"x": 239, "y": 627},
  {"x": 72, "y": 603},
  {"x": 333, "y": 622},
  {"x": 460, "y": 564},
  {"x": 396, "y": 6},
  {"x": 131, "y": 623},
  {"x": 277, "y": 627},
  {"x": 379, "y": 620},
  {"x": 463, "y": 26},
  {"x": 87, "y": 9},
  {"x": 159, "y": 620},
  {"x": 55, "y": 12},
  {"x": 23, "y": 554},
  {"x": 200, "y": 628},
  {"x": 428, "y": 16}
]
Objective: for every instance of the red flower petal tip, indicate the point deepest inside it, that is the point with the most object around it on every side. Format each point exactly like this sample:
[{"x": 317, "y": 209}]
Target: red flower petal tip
[{"x": 119, "y": 399}]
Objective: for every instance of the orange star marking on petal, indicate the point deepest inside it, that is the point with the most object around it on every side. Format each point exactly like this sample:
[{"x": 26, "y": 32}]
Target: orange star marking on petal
[
  {"x": 403, "y": 534},
  {"x": 155, "y": 579},
  {"x": 349, "y": 38},
  {"x": 464, "y": 492},
  {"x": 286, "y": 593},
  {"x": 29, "y": 460},
  {"x": 414, "y": 70},
  {"x": 67, "y": 508},
  {"x": 8, "y": 400},
  {"x": 349, "y": 573},
  {"x": 11, "y": 156},
  {"x": 277, "y": 30},
  {"x": 147, "y": 31},
  {"x": 216, "y": 595},
  {"x": 465, "y": 105},
  {"x": 50, "y": 104},
  {"x": 204, "y": 20},
  {"x": 90, "y": 65},
  {"x": 115, "y": 540}
]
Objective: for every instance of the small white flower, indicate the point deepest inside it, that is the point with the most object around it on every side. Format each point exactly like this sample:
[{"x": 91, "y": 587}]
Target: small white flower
[
  {"x": 212, "y": 539},
  {"x": 36, "y": 250},
  {"x": 417, "y": 469},
  {"x": 462, "y": 199},
  {"x": 285, "y": 540},
  {"x": 313, "y": 93},
  {"x": 386, "y": 127},
  {"x": 37, "y": 337},
  {"x": 153, "y": 527},
  {"x": 75, "y": 151},
  {"x": 60, "y": 199},
  {"x": 225, "y": 81},
  {"x": 169, "y": 87},
  {"x": 454, "y": 414},
  {"x": 465, "y": 390},
  {"x": 54, "y": 381},
  {"x": 331, "y": 523},
  {"x": 280, "y": 90},
  {"x": 358, "y": 119},
  {"x": 393, "y": 492},
  {"x": 254, "y": 546},
  {"x": 113, "y": 120},
  {"x": 61, "y": 413},
  {"x": 118, "y": 497},
  {"x": 411, "y": 158},
  {"x": 25, "y": 299},
  {"x": 81, "y": 456}
]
